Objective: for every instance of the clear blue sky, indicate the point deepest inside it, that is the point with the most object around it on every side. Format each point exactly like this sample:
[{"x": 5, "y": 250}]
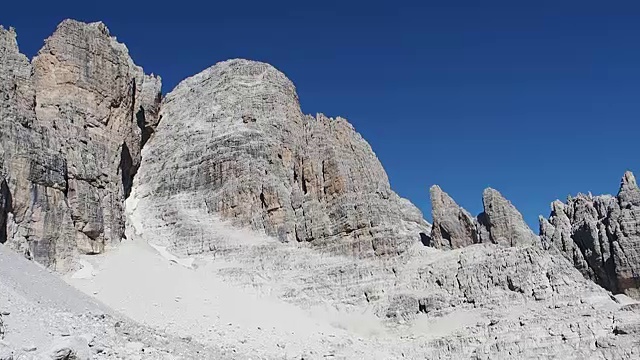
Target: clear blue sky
[{"x": 538, "y": 100}]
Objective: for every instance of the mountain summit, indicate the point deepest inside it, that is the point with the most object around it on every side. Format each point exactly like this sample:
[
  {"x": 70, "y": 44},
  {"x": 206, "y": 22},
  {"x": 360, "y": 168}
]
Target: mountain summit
[{"x": 220, "y": 222}]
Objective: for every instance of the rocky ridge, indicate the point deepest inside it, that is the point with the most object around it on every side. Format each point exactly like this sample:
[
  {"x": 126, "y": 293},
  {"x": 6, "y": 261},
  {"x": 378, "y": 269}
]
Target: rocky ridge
[
  {"x": 73, "y": 122},
  {"x": 500, "y": 222},
  {"x": 234, "y": 137},
  {"x": 183, "y": 195},
  {"x": 600, "y": 235},
  {"x": 482, "y": 301},
  {"x": 234, "y": 151}
]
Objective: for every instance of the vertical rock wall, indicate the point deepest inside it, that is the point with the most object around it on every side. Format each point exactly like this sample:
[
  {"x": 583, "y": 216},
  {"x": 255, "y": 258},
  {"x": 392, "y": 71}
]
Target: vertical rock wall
[
  {"x": 234, "y": 137},
  {"x": 600, "y": 235},
  {"x": 72, "y": 124}
]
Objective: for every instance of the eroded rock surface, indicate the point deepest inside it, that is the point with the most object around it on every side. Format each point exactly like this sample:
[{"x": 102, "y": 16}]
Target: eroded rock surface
[
  {"x": 234, "y": 147},
  {"x": 600, "y": 235},
  {"x": 484, "y": 301},
  {"x": 504, "y": 222},
  {"x": 453, "y": 226},
  {"x": 234, "y": 137},
  {"x": 73, "y": 123},
  {"x": 500, "y": 222}
]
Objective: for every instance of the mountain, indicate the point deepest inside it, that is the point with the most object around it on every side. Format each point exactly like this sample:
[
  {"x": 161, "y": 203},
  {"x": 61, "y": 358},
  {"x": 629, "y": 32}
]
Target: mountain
[
  {"x": 600, "y": 235},
  {"x": 219, "y": 221},
  {"x": 73, "y": 121}
]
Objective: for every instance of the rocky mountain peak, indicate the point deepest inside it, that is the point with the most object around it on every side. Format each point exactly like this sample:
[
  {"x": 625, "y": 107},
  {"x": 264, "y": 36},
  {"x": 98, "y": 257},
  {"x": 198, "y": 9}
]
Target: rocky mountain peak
[
  {"x": 248, "y": 217},
  {"x": 504, "y": 222},
  {"x": 8, "y": 37},
  {"x": 600, "y": 235},
  {"x": 73, "y": 124},
  {"x": 453, "y": 227},
  {"x": 629, "y": 194},
  {"x": 269, "y": 166},
  {"x": 628, "y": 181},
  {"x": 499, "y": 223}
]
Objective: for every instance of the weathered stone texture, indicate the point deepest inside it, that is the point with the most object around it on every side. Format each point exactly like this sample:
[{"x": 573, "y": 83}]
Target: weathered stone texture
[
  {"x": 493, "y": 301},
  {"x": 234, "y": 136},
  {"x": 72, "y": 130},
  {"x": 600, "y": 235},
  {"x": 504, "y": 222},
  {"x": 499, "y": 223},
  {"x": 453, "y": 226}
]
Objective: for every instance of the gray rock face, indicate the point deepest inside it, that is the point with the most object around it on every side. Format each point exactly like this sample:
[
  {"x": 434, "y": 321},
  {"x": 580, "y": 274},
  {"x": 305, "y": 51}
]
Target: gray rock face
[
  {"x": 499, "y": 223},
  {"x": 234, "y": 137},
  {"x": 6, "y": 353},
  {"x": 73, "y": 124},
  {"x": 600, "y": 235},
  {"x": 453, "y": 226},
  {"x": 534, "y": 303},
  {"x": 234, "y": 145},
  {"x": 483, "y": 301},
  {"x": 504, "y": 222}
]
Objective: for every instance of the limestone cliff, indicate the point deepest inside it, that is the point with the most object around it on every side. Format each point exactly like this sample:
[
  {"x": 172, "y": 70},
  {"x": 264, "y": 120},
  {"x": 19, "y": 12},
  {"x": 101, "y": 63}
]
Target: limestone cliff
[
  {"x": 500, "y": 222},
  {"x": 73, "y": 122},
  {"x": 234, "y": 137},
  {"x": 600, "y": 235},
  {"x": 234, "y": 148},
  {"x": 75, "y": 119}
]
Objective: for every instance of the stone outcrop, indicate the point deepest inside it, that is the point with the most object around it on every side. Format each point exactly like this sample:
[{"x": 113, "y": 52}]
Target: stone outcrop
[
  {"x": 234, "y": 149},
  {"x": 482, "y": 302},
  {"x": 234, "y": 137},
  {"x": 453, "y": 227},
  {"x": 499, "y": 223},
  {"x": 73, "y": 122},
  {"x": 504, "y": 223},
  {"x": 600, "y": 235}
]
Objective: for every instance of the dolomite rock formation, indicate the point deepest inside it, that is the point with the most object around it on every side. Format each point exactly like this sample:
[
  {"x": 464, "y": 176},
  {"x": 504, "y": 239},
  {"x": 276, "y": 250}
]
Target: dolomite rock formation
[
  {"x": 504, "y": 222},
  {"x": 234, "y": 137},
  {"x": 480, "y": 302},
  {"x": 234, "y": 147},
  {"x": 517, "y": 301},
  {"x": 500, "y": 222},
  {"x": 600, "y": 235},
  {"x": 73, "y": 122},
  {"x": 453, "y": 227}
]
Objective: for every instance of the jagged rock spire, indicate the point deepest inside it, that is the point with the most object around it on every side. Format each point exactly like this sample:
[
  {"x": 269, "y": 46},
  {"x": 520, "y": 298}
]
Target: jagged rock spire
[
  {"x": 629, "y": 194},
  {"x": 600, "y": 235},
  {"x": 71, "y": 132},
  {"x": 453, "y": 227},
  {"x": 500, "y": 222},
  {"x": 504, "y": 222}
]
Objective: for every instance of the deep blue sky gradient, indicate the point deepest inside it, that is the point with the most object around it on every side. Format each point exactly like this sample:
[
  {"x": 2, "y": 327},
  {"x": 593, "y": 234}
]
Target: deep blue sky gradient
[{"x": 538, "y": 99}]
